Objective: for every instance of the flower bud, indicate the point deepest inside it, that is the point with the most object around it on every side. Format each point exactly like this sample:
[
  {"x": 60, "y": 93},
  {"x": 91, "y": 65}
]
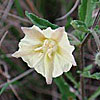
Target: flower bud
[{"x": 97, "y": 59}]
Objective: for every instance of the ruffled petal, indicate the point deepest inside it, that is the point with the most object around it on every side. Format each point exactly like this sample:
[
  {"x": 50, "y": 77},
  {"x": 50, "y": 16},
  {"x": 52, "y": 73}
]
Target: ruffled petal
[
  {"x": 33, "y": 32},
  {"x": 40, "y": 67},
  {"x": 64, "y": 43},
  {"x": 48, "y": 32},
  {"x": 21, "y": 53},
  {"x": 25, "y": 49},
  {"x": 48, "y": 65},
  {"x": 33, "y": 59},
  {"x": 26, "y": 41},
  {"x": 57, "y": 35},
  {"x": 61, "y": 64},
  {"x": 68, "y": 56}
]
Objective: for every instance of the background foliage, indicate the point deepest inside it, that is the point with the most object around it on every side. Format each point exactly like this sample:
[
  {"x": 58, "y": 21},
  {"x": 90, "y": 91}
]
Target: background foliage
[{"x": 23, "y": 83}]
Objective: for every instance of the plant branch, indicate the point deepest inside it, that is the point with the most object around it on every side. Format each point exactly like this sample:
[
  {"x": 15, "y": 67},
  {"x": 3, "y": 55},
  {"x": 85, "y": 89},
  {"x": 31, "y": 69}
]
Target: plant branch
[
  {"x": 13, "y": 90},
  {"x": 82, "y": 55},
  {"x": 17, "y": 17},
  {"x": 10, "y": 3},
  {"x": 88, "y": 34},
  {"x": 70, "y": 12},
  {"x": 18, "y": 77},
  {"x": 3, "y": 37}
]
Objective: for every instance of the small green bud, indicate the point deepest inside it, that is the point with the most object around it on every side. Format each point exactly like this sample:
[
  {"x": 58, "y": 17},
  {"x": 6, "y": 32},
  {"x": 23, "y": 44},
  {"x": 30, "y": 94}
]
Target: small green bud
[{"x": 97, "y": 59}]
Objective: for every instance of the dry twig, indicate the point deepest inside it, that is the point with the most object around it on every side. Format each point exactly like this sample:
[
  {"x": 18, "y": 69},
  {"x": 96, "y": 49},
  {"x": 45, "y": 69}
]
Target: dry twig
[
  {"x": 3, "y": 37},
  {"x": 70, "y": 12},
  {"x": 17, "y": 17},
  {"x": 10, "y": 3},
  {"x": 14, "y": 91},
  {"x": 18, "y": 77}
]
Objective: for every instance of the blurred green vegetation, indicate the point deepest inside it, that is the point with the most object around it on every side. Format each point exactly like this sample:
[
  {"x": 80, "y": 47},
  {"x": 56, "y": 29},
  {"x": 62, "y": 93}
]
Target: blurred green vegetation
[{"x": 33, "y": 86}]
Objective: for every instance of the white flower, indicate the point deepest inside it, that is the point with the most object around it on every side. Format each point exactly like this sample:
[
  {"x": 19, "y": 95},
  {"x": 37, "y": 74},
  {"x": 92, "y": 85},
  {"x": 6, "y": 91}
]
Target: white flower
[{"x": 47, "y": 51}]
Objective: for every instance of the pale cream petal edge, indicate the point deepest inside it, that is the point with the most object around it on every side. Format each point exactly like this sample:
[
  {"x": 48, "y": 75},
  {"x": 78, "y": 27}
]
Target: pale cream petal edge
[
  {"x": 58, "y": 34},
  {"x": 61, "y": 65},
  {"x": 33, "y": 32}
]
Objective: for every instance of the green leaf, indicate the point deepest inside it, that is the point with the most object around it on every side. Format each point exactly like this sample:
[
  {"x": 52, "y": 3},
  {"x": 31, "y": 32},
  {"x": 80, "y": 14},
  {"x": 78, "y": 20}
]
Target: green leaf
[
  {"x": 85, "y": 11},
  {"x": 40, "y": 22},
  {"x": 19, "y": 9},
  {"x": 69, "y": 19},
  {"x": 89, "y": 67},
  {"x": 6, "y": 85},
  {"x": 97, "y": 2},
  {"x": 64, "y": 89},
  {"x": 71, "y": 78},
  {"x": 95, "y": 94},
  {"x": 79, "y": 25},
  {"x": 87, "y": 74},
  {"x": 4, "y": 88},
  {"x": 79, "y": 34},
  {"x": 97, "y": 29}
]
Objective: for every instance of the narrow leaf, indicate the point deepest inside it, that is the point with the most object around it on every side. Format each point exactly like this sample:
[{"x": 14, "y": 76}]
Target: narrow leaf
[
  {"x": 6, "y": 85},
  {"x": 19, "y": 9},
  {"x": 64, "y": 89},
  {"x": 89, "y": 67},
  {"x": 4, "y": 88},
  {"x": 95, "y": 94},
  {"x": 85, "y": 11},
  {"x": 40, "y": 22},
  {"x": 93, "y": 76},
  {"x": 79, "y": 25},
  {"x": 86, "y": 73},
  {"x": 71, "y": 78}
]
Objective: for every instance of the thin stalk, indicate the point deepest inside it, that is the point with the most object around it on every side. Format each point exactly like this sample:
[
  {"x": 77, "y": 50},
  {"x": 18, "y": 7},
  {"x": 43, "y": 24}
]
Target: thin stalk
[
  {"x": 96, "y": 39},
  {"x": 82, "y": 56}
]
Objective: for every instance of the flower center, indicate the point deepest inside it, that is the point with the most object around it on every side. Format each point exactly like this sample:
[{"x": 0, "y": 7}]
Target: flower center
[{"x": 49, "y": 46}]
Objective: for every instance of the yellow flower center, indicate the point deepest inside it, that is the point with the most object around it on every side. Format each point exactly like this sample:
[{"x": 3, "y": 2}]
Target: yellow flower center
[{"x": 49, "y": 46}]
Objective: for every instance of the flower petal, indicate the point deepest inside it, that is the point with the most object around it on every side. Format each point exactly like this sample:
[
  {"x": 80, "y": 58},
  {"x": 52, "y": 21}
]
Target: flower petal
[
  {"x": 57, "y": 35},
  {"x": 61, "y": 64},
  {"x": 40, "y": 67},
  {"x": 25, "y": 49},
  {"x": 48, "y": 65},
  {"x": 68, "y": 56},
  {"x": 48, "y": 32},
  {"x": 28, "y": 41},
  {"x": 21, "y": 53},
  {"x": 33, "y": 59},
  {"x": 33, "y": 32},
  {"x": 64, "y": 43}
]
